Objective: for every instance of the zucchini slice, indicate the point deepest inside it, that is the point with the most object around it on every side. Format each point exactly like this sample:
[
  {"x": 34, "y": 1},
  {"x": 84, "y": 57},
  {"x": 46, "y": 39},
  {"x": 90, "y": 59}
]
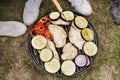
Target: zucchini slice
[
  {"x": 81, "y": 22},
  {"x": 39, "y": 42},
  {"x": 87, "y": 34},
  {"x": 54, "y": 15},
  {"x": 46, "y": 54},
  {"x": 52, "y": 66},
  {"x": 67, "y": 15},
  {"x": 90, "y": 48},
  {"x": 68, "y": 67}
]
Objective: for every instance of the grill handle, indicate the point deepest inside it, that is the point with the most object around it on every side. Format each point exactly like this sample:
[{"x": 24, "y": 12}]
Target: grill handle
[{"x": 56, "y": 3}]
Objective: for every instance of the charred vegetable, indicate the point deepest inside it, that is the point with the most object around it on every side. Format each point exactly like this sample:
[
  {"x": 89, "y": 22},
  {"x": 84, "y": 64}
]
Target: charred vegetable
[{"x": 41, "y": 28}]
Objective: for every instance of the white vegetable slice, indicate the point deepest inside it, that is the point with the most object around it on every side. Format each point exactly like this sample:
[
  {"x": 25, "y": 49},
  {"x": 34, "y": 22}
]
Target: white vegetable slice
[
  {"x": 75, "y": 37},
  {"x": 46, "y": 54},
  {"x": 68, "y": 67},
  {"x": 69, "y": 52},
  {"x": 67, "y": 15},
  {"x": 53, "y": 66},
  {"x": 88, "y": 34},
  {"x": 60, "y": 22},
  {"x": 59, "y": 35},
  {"x": 81, "y": 22},
  {"x": 54, "y": 15},
  {"x": 39, "y": 42},
  {"x": 90, "y": 48},
  {"x": 51, "y": 46}
]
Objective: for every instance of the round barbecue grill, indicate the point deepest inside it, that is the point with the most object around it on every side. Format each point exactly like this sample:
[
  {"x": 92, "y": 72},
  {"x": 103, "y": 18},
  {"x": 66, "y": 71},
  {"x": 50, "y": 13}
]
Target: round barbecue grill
[{"x": 35, "y": 55}]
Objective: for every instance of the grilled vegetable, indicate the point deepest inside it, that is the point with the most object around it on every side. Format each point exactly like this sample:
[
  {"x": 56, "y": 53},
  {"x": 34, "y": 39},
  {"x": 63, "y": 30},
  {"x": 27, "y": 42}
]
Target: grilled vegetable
[
  {"x": 51, "y": 46},
  {"x": 46, "y": 54},
  {"x": 81, "y": 60},
  {"x": 41, "y": 28},
  {"x": 88, "y": 61},
  {"x": 90, "y": 48},
  {"x": 87, "y": 34},
  {"x": 54, "y": 15},
  {"x": 81, "y": 22},
  {"x": 59, "y": 35},
  {"x": 68, "y": 67},
  {"x": 75, "y": 37},
  {"x": 60, "y": 22},
  {"x": 53, "y": 66},
  {"x": 48, "y": 35},
  {"x": 67, "y": 15},
  {"x": 39, "y": 42},
  {"x": 69, "y": 52}
]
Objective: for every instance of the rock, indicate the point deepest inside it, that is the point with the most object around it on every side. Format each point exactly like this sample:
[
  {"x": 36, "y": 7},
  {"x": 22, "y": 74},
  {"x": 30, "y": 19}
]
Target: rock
[
  {"x": 12, "y": 28},
  {"x": 31, "y": 11},
  {"x": 116, "y": 11},
  {"x": 82, "y": 6}
]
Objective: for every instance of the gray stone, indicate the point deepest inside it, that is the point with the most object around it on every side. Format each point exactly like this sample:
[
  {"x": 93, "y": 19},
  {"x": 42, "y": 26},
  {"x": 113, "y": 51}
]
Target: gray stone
[
  {"x": 12, "y": 28},
  {"x": 31, "y": 11},
  {"x": 81, "y": 6},
  {"x": 116, "y": 11}
]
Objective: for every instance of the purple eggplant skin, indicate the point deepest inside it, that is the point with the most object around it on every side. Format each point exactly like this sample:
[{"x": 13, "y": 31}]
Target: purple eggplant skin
[
  {"x": 81, "y": 63},
  {"x": 116, "y": 11}
]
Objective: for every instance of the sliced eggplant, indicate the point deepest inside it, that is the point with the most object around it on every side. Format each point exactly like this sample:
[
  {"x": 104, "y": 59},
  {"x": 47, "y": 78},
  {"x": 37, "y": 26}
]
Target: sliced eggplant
[
  {"x": 80, "y": 22},
  {"x": 75, "y": 37},
  {"x": 81, "y": 60},
  {"x": 59, "y": 35},
  {"x": 87, "y": 34},
  {"x": 69, "y": 52},
  {"x": 90, "y": 48},
  {"x": 67, "y": 15},
  {"x": 46, "y": 54},
  {"x": 60, "y": 22},
  {"x": 52, "y": 66},
  {"x": 39, "y": 42},
  {"x": 51, "y": 46},
  {"x": 68, "y": 67},
  {"x": 54, "y": 15}
]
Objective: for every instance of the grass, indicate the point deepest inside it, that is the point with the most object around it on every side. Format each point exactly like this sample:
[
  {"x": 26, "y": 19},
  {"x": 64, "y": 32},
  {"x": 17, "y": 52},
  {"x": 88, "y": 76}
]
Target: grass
[{"x": 15, "y": 64}]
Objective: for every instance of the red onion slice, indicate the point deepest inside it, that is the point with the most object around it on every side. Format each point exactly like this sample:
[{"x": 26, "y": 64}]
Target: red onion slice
[
  {"x": 81, "y": 60},
  {"x": 88, "y": 61}
]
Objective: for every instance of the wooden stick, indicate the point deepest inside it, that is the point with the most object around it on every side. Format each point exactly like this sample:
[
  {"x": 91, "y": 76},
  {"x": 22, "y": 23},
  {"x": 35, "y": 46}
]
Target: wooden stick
[{"x": 57, "y": 5}]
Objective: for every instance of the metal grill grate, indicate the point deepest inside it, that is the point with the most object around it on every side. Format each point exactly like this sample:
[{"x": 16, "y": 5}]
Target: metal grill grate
[{"x": 35, "y": 55}]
